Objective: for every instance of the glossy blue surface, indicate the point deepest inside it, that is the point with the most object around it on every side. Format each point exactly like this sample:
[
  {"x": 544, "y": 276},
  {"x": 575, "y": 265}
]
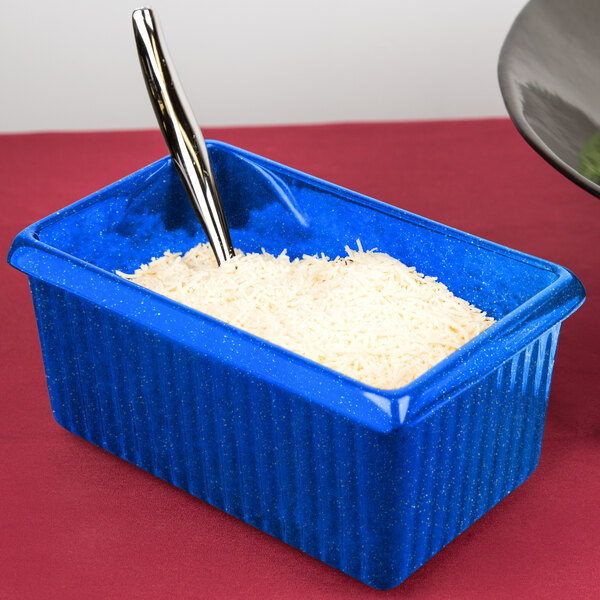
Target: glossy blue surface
[{"x": 373, "y": 482}]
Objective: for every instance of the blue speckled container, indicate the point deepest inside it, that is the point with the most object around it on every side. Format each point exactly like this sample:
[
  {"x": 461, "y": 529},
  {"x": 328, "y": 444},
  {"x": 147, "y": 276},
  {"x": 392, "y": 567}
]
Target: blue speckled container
[{"x": 372, "y": 482}]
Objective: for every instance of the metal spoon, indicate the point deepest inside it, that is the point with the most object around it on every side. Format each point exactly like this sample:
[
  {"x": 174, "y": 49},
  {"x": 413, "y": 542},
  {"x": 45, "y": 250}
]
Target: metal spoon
[{"x": 181, "y": 133}]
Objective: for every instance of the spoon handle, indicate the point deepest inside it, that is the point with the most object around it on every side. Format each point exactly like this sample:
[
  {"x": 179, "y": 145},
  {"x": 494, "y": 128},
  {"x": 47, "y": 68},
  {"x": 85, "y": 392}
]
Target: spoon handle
[{"x": 181, "y": 133}]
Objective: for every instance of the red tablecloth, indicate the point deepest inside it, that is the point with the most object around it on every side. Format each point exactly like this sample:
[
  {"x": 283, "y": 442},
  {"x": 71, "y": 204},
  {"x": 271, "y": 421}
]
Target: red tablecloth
[{"x": 77, "y": 522}]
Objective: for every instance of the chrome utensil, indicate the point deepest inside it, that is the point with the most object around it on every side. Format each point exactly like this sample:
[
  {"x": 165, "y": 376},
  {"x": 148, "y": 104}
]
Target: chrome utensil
[
  {"x": 181, "y": 133},
  {"x": 549, "y": 73}
]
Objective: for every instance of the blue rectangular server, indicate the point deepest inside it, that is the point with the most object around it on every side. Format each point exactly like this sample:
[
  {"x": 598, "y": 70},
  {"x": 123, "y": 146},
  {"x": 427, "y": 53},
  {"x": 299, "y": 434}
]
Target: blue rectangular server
[{"x": 373, "y": 482}]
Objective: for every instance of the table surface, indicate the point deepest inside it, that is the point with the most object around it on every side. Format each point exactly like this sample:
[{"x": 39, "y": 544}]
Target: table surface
[{"x": 78, "y": 522}]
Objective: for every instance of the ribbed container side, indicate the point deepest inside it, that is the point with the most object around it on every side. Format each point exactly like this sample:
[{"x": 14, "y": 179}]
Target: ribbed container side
[
  {"x": 463, "y": 458},
  {"x": 374, "y": 505},
  {"x": 271, "y": 459}
]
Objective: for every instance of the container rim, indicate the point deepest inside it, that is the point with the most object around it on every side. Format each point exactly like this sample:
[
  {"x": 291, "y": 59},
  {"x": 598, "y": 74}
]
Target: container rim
[{"x": 380, "y": 409}]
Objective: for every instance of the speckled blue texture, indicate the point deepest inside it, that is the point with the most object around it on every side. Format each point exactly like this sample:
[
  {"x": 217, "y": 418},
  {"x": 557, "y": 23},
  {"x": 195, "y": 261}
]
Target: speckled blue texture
[{"x": 373, "y": 482}]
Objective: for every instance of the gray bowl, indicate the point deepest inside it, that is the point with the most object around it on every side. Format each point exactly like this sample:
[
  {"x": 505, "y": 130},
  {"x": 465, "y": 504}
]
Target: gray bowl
[{"x": 549, "y": 73}]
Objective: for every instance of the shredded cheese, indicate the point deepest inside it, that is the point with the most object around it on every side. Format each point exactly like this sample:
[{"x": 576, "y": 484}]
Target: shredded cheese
[{"x": 366, "y": 315}]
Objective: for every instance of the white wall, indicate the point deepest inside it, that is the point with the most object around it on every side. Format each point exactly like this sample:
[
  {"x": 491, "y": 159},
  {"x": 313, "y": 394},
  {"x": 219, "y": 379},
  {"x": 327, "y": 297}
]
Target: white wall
[{"x": 69, "y": 64}]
